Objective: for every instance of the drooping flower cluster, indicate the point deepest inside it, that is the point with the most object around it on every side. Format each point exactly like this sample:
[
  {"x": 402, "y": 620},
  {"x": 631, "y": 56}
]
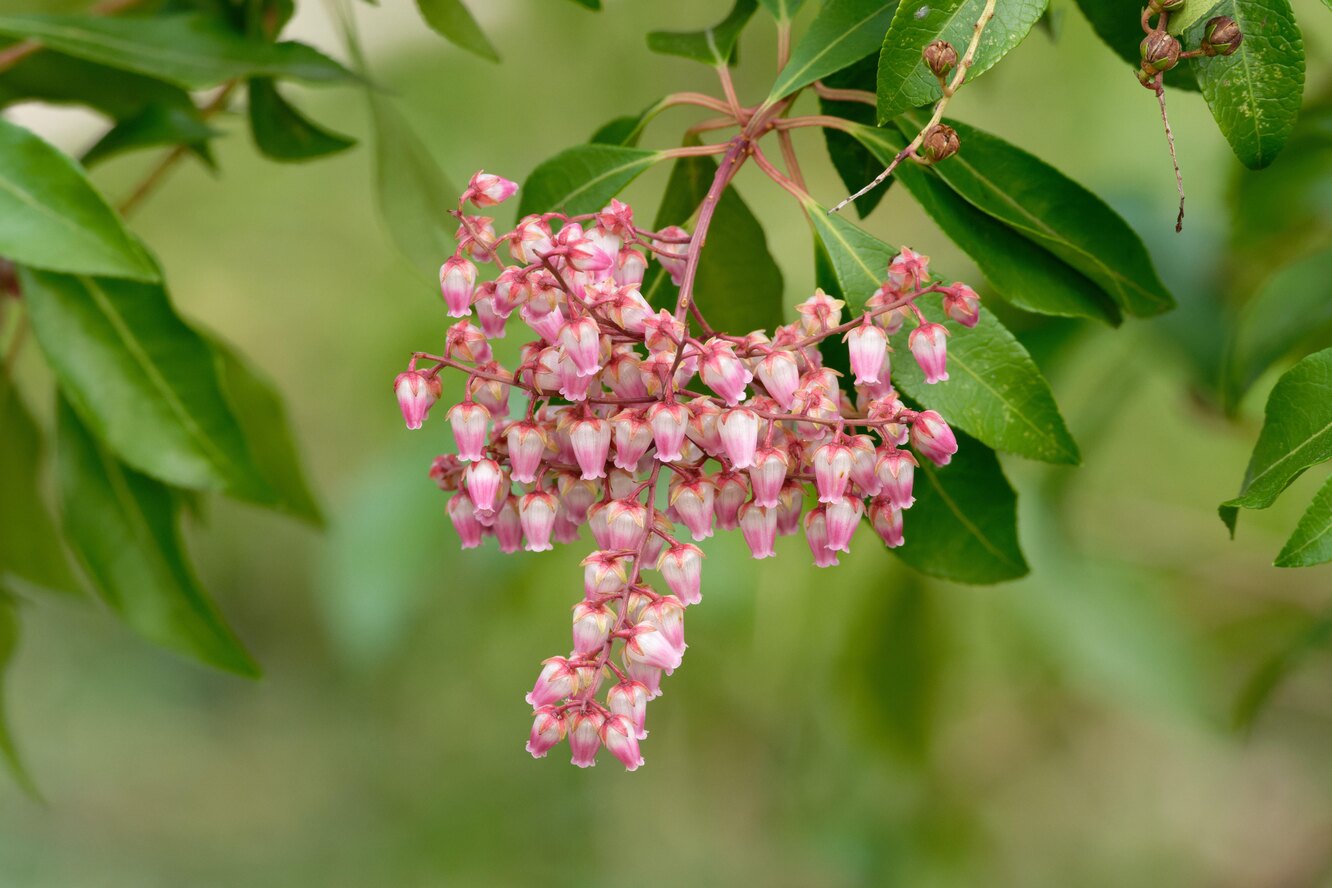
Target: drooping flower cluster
[{"x": 653, "y": 435}]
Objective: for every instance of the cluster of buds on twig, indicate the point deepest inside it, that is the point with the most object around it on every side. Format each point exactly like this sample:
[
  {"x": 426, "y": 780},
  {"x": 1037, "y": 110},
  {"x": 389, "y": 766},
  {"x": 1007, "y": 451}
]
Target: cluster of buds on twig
[
  {"x": 1161, "y": 51},
  {"x": 653, "y": 435}
]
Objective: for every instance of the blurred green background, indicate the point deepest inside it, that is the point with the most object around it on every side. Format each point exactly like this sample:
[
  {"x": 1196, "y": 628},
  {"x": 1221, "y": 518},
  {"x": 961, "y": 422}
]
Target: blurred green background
[{"x": 862, "y": 726}]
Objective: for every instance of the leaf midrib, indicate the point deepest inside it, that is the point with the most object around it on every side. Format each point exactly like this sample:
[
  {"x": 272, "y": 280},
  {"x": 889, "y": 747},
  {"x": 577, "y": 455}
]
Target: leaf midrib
[
  {"x": 783, "y": 81},
  {"x": 1290, "y": 453},
  {"x": 645, "y": 161},
  {"x": 965, "y": 521}
]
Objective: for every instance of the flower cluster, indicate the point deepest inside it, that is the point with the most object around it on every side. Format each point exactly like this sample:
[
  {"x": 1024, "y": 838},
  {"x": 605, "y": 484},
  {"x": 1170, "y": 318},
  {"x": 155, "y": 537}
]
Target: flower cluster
[{"x": 653, "y": 435}]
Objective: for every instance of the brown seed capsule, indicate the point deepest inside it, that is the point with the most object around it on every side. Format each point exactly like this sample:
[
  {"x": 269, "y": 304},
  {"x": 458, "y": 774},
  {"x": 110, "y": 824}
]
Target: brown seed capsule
[
  {"x": 1160, "y": 52},
  {"x": 940, "y": 143},
  {"x": 941, "y": 57},
  {"x": 1222, "y": 36}
]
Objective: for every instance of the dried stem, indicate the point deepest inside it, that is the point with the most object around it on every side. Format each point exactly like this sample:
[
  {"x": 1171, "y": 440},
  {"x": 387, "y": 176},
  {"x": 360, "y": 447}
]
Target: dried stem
[{"x": 1174, "y": 158}]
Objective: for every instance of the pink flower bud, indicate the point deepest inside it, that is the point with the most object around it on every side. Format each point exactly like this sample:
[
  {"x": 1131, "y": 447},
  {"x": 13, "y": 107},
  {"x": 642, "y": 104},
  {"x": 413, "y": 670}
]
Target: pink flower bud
[
  {"x": 682, "y": 568},
  {"x": 581, "y": 341},
  {"x": 674, "y": 263},
  {"x": 626, "y": 521},
  {"x": 509, "y": 526},
  {"x": 759, "y": 526},
  {"x": 566, "y": 529},
  {"x": 547, "y": 731},
  {"x": 483, "y": 479},
  {"x": 577, "y": 495},
  {"x": 929, "y": 346},
  {"x": 633, "y": 436},
  {"x": 592, "y": 622},
  {"x": 585, "y": 736},
  {"x": 820, "y": 313},
  {"x": 739, "y": 430},
  {"x": 463, "y": 515},
  {"x": 662, "y": 332},
  {"x": 868, "y": 346},
  {"x": 446, "y": 471},
  {"x": 655, "y": 546},
  {"x": 732, "y": 491},
  {"x": 591, "y": 440},
  {"x": 492, "y": 395},
  {"x": 630, "y": 266},
  {"x": 493, "y": 325},
  {"x": 598, "y": 521},
  {"x": 832, "y": 470},
  {"x": 629, "y": 699},
  {"x": 780, "y": 375},
  {"x": 887, "y": 522},
  {"x": 767, "y": 474},
  {"x": 531, "y": 238},
  {"x": 693, "y": 502},
  {"x": 621, "y": 739},
  {"x": 723, "y": 372},
  {"x": 703, "y": 429},
  {"x": 667, "y": 614},
  {"x": 457, "y": 278},
  {"x": 558, "y": 679},
  {"x": 476, "y": 237},
  {"x": 668, "y": 428},
  {"x": 536, "y": 512},
  {"x": 961, "y": 303},
  {"x": 605, "y": 573},
  {"x": 789, "y": 505},
  {"x": 816, "y": 534},
  {"x": 896, "y": 470},
  {"x": 649, "y": 676},
  {"x": 909, "y": 270},
  {"x": 622, "y": 484},
  {"x": 651, "y": 647},
  {"x": 417, "y": 392},
  {"x": 486, "y": 190},
  {"x": 469, "y": 422},
  {"x": 841, "y": 518},
  {"x": 863, "y": 461},
  {"x": 932, "y": 438},
  {"x": 527, "y": 446},
  {"x": 464, "y": 341}
]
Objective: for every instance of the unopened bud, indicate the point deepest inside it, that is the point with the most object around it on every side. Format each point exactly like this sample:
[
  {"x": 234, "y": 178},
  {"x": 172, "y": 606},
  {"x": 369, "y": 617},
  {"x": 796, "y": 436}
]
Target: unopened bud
[
  {"x": 1222, "y": 36},
  {"x": 1160, "y": 52},
  {"x": 941, "y": 57},
  {"x": 940, "y": 143}
]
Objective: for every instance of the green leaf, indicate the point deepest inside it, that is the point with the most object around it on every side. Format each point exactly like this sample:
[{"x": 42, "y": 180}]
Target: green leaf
[
  {"x": 281, "y": 132},
  {"x": 738, "y": 286},
  {"x": 1193, "y": 11},
  {"x": 582, "y": 179},
  {"x": 189, "y": 50},
  {"x": 1052, "y": 210},
  {"x": 785, "y": 10},
  {"x": 414, "y": 196},
  {"x": 9, "y": 633},
  {"x": 594, "y": 5},
  {"x": 1290, "y": 309},
  {"x": 156, "y": 126},
  {"x": 995, "y": 391},
  {"x": 268, "y": 434},
  {"x": 843, "y": 32},
  {"x": 123, "y": 527},
  {"x": 711, "y": 46},
  {"x": 626, "y": 129},
  {"x": 854, "y": 163},
  {"x": 906, "y": 82},
  {"x": 963, "y": 526},
  {"x": 143, "y": 379},
  {"x": 1270, "y": 675},
  {"x": 1255, "y": 93},
  {"x": 51, "y": 216},
  {"x": 1118, "y": 23},
  {"x": 1311, "y": 543},
  {"x": 29, "y": 546},
  {"x": 50, "y": 76},
  {"x": 1297, "y": 434},
  {"x": 1023, "y": 273},
  {"x": 452, "y": 20}
]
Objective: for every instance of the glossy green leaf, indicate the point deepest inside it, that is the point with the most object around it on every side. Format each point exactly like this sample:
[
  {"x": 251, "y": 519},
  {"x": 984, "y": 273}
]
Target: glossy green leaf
[
  {"x": 156, "y": 126},
  {"x": 995, "y": 391},
  {"x": 281, "y": 132},
  {"x": 268, "y": 433},
  {"x": 843, "y": 32},
  {"x": 1193, "y": 11},
  {"x": 30, "y": 548},
  {"x": 738, "y": 286},
  {"x": 963, "y": 526},
  {"x": 452, "y": 20},
  {"x": 9, "y": 634},
  {"x": 189, "y": 50},
  {"x": 906, "y": 82},
  {"x": 1311, "y": 543},
  {"x": 1117, "y": 22},
  {"x": 1052, "y": 210},
  {"x": 1291, "y": 309},
  {"x": 123, "y": 527},
  {"x": 854, "y": 163},
  {"x": 50, "y": 76},
  {"x": 1255, "y": 93},
  {"x": 582, "y": 179},
  {"x": 1297, "y": 434},
  {"x": 625, "y": 129},
  {"x": 785, "y": 10},
  {"x": 52, "y": 217},
  {"x": 143, "y": 379},
  {"x": 1024, "y": 274},
  {"x": 711, "y": 46},
  {"x": 414, "y": 195}
]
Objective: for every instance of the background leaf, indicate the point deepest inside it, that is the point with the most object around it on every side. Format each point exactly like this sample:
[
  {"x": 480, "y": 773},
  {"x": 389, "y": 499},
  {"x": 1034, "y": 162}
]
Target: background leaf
[
  {"x": 9, "y": 634},
  {"x": 123, "y": 527},
  {"x": 843, "y": 32},
  {"x": 1255, "y": 93},
  {"x": 156, "y": 126},
  {"x": 414, "y": 196},
  {"x": 143, "y": 379},
  {"x": 1311, "y": 543},
  {"x": 189, "y": 50},
  {"x": 785, "y": 10},
  {"x": 52, "y": 217},
  {"x": 711, "y": 46},
  {"x": 582, "y": 179},
  {"x": 452, "y": 20},
  {"x": 906, "y": 82},
  {"x": 281, "y": 132},
  {"x": 50, "y": 76}
]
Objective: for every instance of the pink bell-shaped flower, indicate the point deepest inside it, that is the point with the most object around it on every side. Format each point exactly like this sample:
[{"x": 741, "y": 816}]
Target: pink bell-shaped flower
[
  {"x": 739, "y": 430},
  {"x": 896, "y": 470},
  {"x": 591, "y": 439},
  {"x": 868, "y": 346},
  {"x": 536, "y": 512},
  {"x": 832, "y": 470},
  {"x": 759, "y": 526},
  {"x": 621, "y": 739},
  {"x": 463, "y": 515},
  {"x": 592, "y": 622},
  {"x": 527, "y": 447},
  {"x": 682, "y": 569},
  {"x": 929, "y": 346},
  {"x": 816, "y": 534},
  {"x": 767, "y": 474},
  {"x": 417, "y": 392},
  {"x": 629, "y": 699},
  {"x": 457, "y": 281},
  {"x": 469, "y": 421},
  {"x": 483, "y": 479},
  {"x": 585, "y": 736},
  {"x": 668, "y": 422},
  {"x": 558, "y": 679},
  {"x": 486, "y": 189},
  {"x": 887, "y": 521},
  {"x": 547, "y": 731},
  {"x": 961, "y": 303},
  {"x": 932, "y": 438},
  {"x": 841, "y": 518},
  {"x": 779, "y": 374}
]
